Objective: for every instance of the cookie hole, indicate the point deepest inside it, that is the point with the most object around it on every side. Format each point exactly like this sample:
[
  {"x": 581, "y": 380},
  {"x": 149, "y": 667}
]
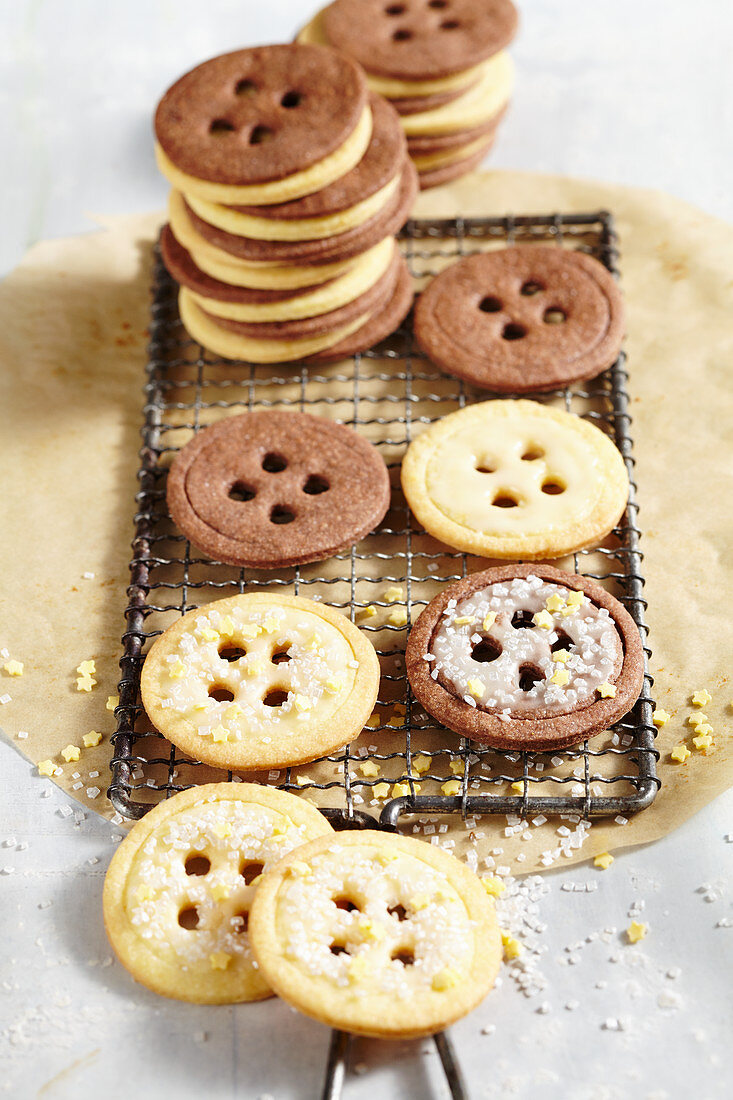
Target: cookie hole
[
  {"x": 246, "y": 88},
  {"x": 231, "y": 652},
  {"x": 564, "y": 641},
  {"x": 403, "y": 955},
  {"x": 281, "y": 655},
  {"x": 402, "y": 35},
  {"x": 240, "y": 921},
  {"x": 188, "y": 918},
  {"x": 240, "y": 491},
  {"x": 531, "y": 288},
  {"x": 521, "y": 620},
  {"x": 250, "y": 869},
  {"x": 274, "y": 463},
  {"x": 532, "y": 454},
  {"x": 395, "y": 9},
  {"x": 505, "y": 501},
  {"x": 196, "y": 864},
  {"x": 316, "y": 484},
  {"x": 343, "y": 901},
  {"x": 486, "y": 467},
  {"x": 490, "y": 305},
  {"x": 275, "y": 698},
  {"x": 398, "y": 911},
  {"x": 280, "y": 513},
  {"x": 449, "y": 25},
  {"x": 554, "y": 316},
  {"x": 488, "y": 649},
  {"x": 221, "y": 694},
  {"x": 260, "y": 135},
  {"x": 338, "y": 949},
  {"x": 291, "y": 99},
  {"x": 513, "y": 331},
  {"x": 552, "y": 488},
  {"x": 529, "y": 675},
  {"x": 221, "y": 126}
]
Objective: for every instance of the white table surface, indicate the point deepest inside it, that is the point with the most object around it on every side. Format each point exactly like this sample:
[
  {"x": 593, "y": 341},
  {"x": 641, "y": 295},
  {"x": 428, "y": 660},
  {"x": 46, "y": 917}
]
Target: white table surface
[{"x": 621, "y": 90}]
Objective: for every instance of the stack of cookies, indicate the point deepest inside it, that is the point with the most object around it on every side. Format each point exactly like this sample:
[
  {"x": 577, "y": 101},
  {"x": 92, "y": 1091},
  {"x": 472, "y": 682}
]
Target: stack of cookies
[
  {"x": 441, "y": 63},
  {"x": 289, "y": 182}
]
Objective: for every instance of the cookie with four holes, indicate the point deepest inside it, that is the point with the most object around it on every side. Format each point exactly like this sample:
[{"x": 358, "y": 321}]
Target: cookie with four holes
[
  {"x": 179, "y": 888},
  {"x": 260, "y": 681},
  {"x": 515, "y": 479},
  {"x": 376, "y": 934},
  {"x": 271, "y": 488},
  {"x": 525, "y": 657},
  {"x": 522, "y": 319}
]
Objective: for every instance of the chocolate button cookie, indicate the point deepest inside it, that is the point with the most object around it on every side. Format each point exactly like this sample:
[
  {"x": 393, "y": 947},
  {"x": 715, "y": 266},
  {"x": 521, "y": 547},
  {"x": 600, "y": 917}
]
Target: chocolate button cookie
[
  {"x": 525, "y": 657},
  {"x": 419, "y": 39},
  {"x": 522, "y": 319},
  {"x": 271, "y": 489},
  {"x": 261, "y": 114}
]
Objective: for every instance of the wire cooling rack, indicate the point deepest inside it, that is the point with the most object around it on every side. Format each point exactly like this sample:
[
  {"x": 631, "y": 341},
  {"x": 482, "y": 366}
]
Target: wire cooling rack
[{"x": 388, "y": 394}]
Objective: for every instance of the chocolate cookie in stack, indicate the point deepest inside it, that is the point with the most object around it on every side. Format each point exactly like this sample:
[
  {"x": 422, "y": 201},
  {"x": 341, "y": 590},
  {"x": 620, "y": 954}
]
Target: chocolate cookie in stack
[
  {"x": 290, "y": 180},
  {"x": 441, "y": 63}
]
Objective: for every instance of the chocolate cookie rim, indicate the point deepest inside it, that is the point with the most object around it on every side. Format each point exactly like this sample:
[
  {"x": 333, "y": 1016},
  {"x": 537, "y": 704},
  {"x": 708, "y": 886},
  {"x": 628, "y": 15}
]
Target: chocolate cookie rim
[{"x": 552, "y": 732}]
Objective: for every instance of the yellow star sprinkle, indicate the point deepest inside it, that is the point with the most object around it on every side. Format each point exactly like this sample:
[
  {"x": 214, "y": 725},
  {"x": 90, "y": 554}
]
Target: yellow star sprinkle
[
  {"x": 701, "y": 698},
  {"x": 250, "y": 630},
  {"x": 222, "y": 828},
  {"x": 702, "y": 742},
  {"x": 369, "y": 769},
  {"x": 697, "y": 719},
  {"x": 704, "y": 727},
  {"x": 606, "y": 690},
  {"x": 220, "y": 733},
  {"x": 401, "y": 790},
  {"x": 604, "y": 861},
  {"x": 71, "y": 752},
  {"x": 445, "y": 979},
  {"x": 302, "y": 703},
  {"x": 574, "y": 601},
  {"x": 518, "y": 786},
  {"x": 420, "y": 901},
  {"x": 370, "y": 930},
  {"x": 543, "y": 619},
  {"x": 176, "y": 669},
  {"x": 493, "y": 886},
  {"x": 113, "y": 701},
  {"x": 226, "y": 626},
  {"x": 86, "y": 668},
  {"x": 84, "y": 683},
  {"x": 560, "y": 655},
  {"x": 680, "y": 753},
  {"x": 209, "y": 634},
  {"x": 421, "y": 764},
  {"x": 358, "y": 968},
  {"x": 314, "y": 641},
  {"x": 512, "y": 947},
  {"x": 463, "y": 620},
  {"x": 452, "y": 787},
  {"x": 660, "y": 717},
  {"x": 334, "y": 685},
  {"x": 367, "y": 612},
  {"x": 13, "y": 668},
  {"x": 476, "y": 688},
  {"x": 219, "y": 960},
  {"x": 381, "y": 790},
  {"x": 562, "y": 677},
  {"x": 393, "y": 594},
  {"x": 554, "y": 602},
  {"x": 91, "y": 739},
  {"x": 398, "y": 617},
  {"x": 457, "y": 767},
  {"x": 233, "y": 712},
  {"x": 299, "y": 869},
  {"x": 46, "y": 767},
  {"x": 254, "y": 668},
  {"x": 636, "y": 931},
  {"x": 489, "y": 620},
  {"x": 220, "y": 891}
]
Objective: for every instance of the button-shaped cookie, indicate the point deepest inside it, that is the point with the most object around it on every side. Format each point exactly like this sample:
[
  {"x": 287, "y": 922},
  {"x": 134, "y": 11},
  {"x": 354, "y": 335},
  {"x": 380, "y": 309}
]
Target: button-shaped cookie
[
  {"x": 525, "y": 657},
  {"x": 273, "y": 488},
  {"x": 260, "y": 681},
  {"x": 515, "y": 479},
  {"x": 376, "y": 934},
  {"x": 180, "y": 886},
  {"x": 522, "y": 319}
]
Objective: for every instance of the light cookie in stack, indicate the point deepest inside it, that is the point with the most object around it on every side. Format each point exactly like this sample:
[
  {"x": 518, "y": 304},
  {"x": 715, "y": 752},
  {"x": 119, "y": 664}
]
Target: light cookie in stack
[
  {"x": 441, "y": 63},
  {"x": 290, "y": 180}
]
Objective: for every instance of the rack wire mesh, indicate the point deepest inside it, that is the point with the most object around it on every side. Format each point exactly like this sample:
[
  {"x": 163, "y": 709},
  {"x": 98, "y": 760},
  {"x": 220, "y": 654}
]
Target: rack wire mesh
[{"x": 387, "y": 394}]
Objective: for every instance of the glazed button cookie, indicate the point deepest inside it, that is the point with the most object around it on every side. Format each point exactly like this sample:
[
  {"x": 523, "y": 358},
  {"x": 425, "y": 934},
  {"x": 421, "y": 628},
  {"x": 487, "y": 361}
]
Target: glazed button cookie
[
  {"x": 260, "y": 681},
  {"x": 376, "y": 934},
  {"x": 525, "y": 657},
  {"x": 515, "y": 479},
  {"x": 179, "y": 888},
  {"x": 270, "y": 489},
  {"x": 522, "y": 319}
]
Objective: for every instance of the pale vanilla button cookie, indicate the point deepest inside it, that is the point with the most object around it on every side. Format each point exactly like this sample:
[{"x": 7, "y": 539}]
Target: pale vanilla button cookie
[
  {"x": 179, "y": 888},
  {"x": 515, "y": 479},
  {"x": 376, "y": 934},
  {"x": 260, "y": 681}
]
